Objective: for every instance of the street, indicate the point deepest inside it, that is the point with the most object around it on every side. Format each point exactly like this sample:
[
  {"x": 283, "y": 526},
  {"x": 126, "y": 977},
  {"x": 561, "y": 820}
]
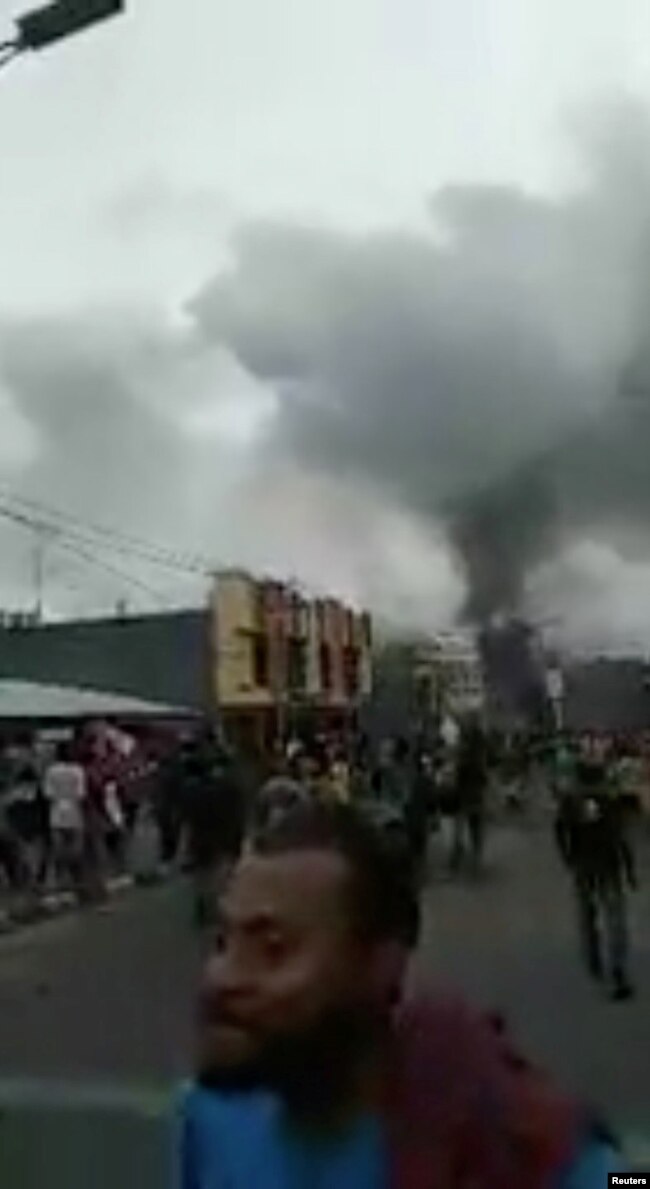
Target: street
[{"x": 106, "y": 996}]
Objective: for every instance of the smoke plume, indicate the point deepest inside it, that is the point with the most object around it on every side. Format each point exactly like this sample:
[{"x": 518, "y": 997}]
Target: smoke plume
[
  {"x": 488, "y": 376},
  {"x": 472, "y": 373}
]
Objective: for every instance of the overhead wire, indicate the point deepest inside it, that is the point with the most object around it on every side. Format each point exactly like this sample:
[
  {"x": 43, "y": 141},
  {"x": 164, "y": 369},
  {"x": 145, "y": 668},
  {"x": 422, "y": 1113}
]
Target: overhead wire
[
  {"x": 40, "y": 517},
  {"x": 47, "y": 524},
  {"x": 85, "y": 530},
  {"x": 84, "y": 553},
  {"x": 114, "y": 571}
]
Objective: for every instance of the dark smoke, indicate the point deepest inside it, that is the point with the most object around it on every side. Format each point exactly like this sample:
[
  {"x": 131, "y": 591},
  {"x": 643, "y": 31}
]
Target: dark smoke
[
  {"x": 501, "y": 533},
  {"x": 472, "y": 373},
  {"x": 491, "y": 373}
]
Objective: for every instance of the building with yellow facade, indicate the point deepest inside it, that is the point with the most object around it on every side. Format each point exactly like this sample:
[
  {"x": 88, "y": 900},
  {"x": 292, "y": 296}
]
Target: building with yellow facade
[
  {"x": 281, "y": 658},
  {"x": 259, "y": 655}
]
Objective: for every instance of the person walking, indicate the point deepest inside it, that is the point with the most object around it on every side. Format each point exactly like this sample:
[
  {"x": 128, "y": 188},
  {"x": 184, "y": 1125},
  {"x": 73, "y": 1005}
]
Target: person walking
[
  {"x": 421, "y": 811},
  {"x": 167, "y": 795},
  {"x": 115, "y": 832},
  {"x": 11, "y": 865},
  {"x": 592, "y": 837},
  {"x": 66, "y": 792},
  {"x": 28, "y": 818},
  {"x": 277, "y": 795},
  {"x": 471, "y": 789},
  {"x": 214, "y": 814}
]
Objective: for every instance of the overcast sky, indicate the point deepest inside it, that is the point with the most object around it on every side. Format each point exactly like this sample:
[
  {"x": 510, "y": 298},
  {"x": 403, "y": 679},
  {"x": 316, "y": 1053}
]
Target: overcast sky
[{"x": 131, "y": 159}]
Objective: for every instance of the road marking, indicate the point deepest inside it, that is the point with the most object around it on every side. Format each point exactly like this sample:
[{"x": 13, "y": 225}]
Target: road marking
[{"x": 43, "y": 1094}]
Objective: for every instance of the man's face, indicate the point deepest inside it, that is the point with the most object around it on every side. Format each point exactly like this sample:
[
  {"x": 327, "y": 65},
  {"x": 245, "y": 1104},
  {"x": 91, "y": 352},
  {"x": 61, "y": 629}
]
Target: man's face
[{"x": 291, "y": 993}]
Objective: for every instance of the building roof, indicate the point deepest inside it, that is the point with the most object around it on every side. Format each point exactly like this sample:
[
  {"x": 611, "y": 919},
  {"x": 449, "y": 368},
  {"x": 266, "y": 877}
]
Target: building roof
[
  {"x": 24, "y": 700},
  {"x": 165, "y": 657}
]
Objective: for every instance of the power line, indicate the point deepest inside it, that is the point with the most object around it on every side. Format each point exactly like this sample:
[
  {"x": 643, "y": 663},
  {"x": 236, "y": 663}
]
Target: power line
[
  {"x": 114, "y": 571},
  {"x": 190, "y": 561},
  {"x": 85, "y": 530},
  {"x": 39, "y": 517},
  {"x": 76, "y": 549},
  {"x": 49, "y": 524}
]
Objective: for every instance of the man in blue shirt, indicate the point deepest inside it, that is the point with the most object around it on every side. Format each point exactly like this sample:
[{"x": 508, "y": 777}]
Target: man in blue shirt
[{"x": 313, "y": 1072}]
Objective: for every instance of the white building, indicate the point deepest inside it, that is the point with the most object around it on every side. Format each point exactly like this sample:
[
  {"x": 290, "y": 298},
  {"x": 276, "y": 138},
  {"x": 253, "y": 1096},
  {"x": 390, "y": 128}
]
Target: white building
[{"x": 449, "y": 668}]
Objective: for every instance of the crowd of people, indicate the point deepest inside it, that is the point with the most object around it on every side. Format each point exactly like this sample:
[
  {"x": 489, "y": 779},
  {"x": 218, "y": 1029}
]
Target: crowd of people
[
  {"x": 405, "y": 787},
  {"x": 313, "y": 869},
  {"x": 79, "y": 811},
  {"x": 69, "y": 806}
]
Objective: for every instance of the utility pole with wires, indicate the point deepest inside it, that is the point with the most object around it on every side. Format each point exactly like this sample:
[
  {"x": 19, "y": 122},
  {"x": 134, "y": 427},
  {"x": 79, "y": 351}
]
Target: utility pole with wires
[
  {"x": 89, "y": 543},
  {"x": 41, "y": 27},
  {"x": 43, "y": 537},
  {"x": 39, "y": 577}
]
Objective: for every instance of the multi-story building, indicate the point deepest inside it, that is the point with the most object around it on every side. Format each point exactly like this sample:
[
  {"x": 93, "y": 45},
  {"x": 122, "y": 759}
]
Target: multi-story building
[
  {"x": 449, "y": 675},
  {"x": 282, "y": 659},
  {"x": 418, "y": 682},
  {"x": 260, "y": 655}
]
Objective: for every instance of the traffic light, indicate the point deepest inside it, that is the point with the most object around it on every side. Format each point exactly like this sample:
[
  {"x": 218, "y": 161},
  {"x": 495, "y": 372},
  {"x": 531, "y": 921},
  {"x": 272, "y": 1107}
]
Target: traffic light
[{"x": 43, "y": 26}]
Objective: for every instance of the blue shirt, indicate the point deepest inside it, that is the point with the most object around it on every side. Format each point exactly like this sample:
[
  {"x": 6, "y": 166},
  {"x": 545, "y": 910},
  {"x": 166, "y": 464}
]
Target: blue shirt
[{"x": 243, "y": 1140}]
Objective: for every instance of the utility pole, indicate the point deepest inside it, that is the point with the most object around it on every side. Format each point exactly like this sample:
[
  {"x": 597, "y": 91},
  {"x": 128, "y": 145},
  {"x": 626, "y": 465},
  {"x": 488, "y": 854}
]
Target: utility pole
[
  {"x": 40, "y": 27},
  {"x": 41, "y": 540}
]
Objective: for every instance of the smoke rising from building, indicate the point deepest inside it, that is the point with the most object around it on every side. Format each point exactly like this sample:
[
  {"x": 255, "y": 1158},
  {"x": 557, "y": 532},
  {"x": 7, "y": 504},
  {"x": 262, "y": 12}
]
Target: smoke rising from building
[
  {"x": 487, "y": 375},
  {"x": 473, "y": 373}
]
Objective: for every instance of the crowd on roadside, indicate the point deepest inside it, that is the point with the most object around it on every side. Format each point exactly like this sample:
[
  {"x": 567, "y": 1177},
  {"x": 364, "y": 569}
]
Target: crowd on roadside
[
  {"x": 406, "y": 787},
  {"x": 69, "y": 807},
  {"x": 79, "y": 810}
]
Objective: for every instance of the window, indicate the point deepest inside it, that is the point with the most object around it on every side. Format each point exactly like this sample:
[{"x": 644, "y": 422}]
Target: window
[
  {"x": 351, "y": 671},
  {"x": 261, "y": 663},
  {"x": 297, "y": 665},
  {"x": 325, "y": 667}
]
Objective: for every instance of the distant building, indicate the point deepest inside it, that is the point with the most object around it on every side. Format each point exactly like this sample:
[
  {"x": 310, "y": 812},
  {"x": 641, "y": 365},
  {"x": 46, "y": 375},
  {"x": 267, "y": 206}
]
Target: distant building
[
  {"x": 283, "y": 660},
  {"x": 391, "y": 710},
  {"x": 607, "y": 695},
  {"x": 418, "y": 682},
  {"x": 515, "y": 675},
  {"x": 159, "y": 658},
  {"x": 449, "y": 672},
  {"x": 260, "y": 655}
]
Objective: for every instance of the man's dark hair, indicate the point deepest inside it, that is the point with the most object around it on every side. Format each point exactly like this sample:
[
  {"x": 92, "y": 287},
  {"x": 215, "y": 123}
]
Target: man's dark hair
[
  {"x": 65, "y": 752},
  {"x": 384, "y": 897}
]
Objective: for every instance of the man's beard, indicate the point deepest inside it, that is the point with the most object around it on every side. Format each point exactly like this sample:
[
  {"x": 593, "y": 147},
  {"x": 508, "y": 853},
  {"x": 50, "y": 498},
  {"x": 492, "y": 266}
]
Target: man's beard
[{"x": 311, "y": 1069}]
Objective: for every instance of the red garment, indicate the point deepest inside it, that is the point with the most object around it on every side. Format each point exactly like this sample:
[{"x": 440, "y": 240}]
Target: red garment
[{"x": 467, "y": 1113}]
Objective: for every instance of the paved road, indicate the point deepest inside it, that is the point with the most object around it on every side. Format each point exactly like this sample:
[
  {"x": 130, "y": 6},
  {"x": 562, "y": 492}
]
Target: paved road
[
  {"x": 511, "y": 943},
  {"x": 103, "y": 995},
  {"x": 107, "y": 995}
]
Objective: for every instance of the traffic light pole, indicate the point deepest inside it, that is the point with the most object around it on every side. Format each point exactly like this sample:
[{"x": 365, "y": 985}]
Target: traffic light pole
[
  {"x": 41, "y": 27},
  {"x": 8, "y": 51}
]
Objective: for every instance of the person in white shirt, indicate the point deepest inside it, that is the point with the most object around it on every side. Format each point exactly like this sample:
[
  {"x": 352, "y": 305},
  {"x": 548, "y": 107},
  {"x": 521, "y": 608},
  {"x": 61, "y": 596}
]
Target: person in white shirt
[{"x": 66, "y": 791}]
